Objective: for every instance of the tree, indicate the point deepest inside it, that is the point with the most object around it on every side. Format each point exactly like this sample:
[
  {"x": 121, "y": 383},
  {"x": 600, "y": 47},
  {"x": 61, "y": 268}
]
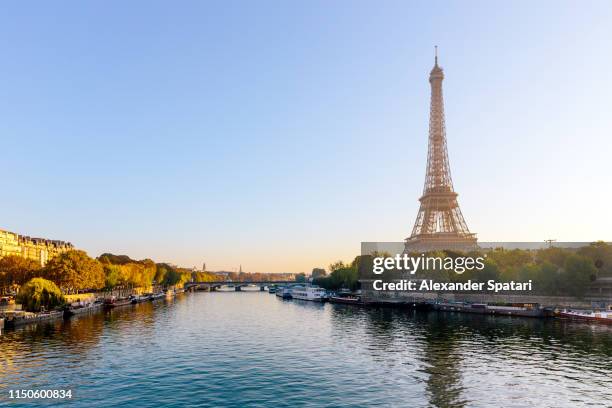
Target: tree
[
  {"x": 300, "y": 277},
  {"x": 108, "y": 258},
  {"x": 113, "y": 276},
  {"x": 74, "y": 271},
  {"x": 318, "y": 273},
  {"x": 40, "y": 293},
  {"x": 336, "y": 265},
  {"x": 161, "y": 271},
  {"x": 16, "y": 271},
  {"x": 577, "y": 274},
  {"x": 601, "y": 254}
]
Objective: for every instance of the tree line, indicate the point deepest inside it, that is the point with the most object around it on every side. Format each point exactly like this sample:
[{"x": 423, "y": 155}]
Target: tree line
[
  {"x": 554, "y": 271},
  {"x": 74, "y": 271}
]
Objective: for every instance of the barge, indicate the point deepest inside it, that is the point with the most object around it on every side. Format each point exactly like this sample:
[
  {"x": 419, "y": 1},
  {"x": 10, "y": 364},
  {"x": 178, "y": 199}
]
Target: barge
[
  {"x": 587, "y": 316},
  {"x": 17, "y": 318},
  {"x": 509, "y": 309}
]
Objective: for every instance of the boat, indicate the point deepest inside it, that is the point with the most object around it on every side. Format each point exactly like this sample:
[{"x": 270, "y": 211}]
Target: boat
[
  {"x": 157, "y": 296},
  {"x": 78, "y": 308},
  {"x": 170, "y": 293},
  {"x": 250, "y": 288},
  {"x": 347, "y": 300},
  {"x": 507, "y": 309},
  {"x": 226, "y": 288},
  {"x": 16, "y": 318},
  {"x": 113, "y": 301},
  {"x": 311, "y": 293},
  {"x": 517, "y": 309},
  {"x": 138, "y": 298},
  {"x": 284, "y": 292},
  {"x": 272, "y": 289},
  {"x": 587, "y": 316}
]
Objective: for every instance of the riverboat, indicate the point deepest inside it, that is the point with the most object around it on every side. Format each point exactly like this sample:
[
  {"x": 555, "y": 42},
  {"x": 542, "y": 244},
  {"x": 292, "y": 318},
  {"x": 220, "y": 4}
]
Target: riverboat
[
  {"x": 272, "y": 289},
  {"x": 16, "y": 318},
  {"x": 112, "y": 302},
  {"x": 587, "y": 316},
  {"x": 156, "y": 296},
  {"x": 346, "y": 300},
  {"x": 284, "y": 292},
  {"x": 250, "y": 288},
  {"x": 226, "y": 288},
  {"x": 509, "y": 309},
  {"x": 138, "y": 299},
  {"x": 78, "y": 308},
  {"x": 311, "y": 293}
]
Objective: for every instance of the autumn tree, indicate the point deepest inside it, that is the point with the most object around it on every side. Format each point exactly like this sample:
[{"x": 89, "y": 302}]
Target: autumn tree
[
  {"x": 74, "y": 271},
  {"x": 16, "y": 271},
  {"x": 113, "y": 276}
]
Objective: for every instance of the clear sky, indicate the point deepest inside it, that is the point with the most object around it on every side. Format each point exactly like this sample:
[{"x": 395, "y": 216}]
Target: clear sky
[{"x": 279, "y": 135}]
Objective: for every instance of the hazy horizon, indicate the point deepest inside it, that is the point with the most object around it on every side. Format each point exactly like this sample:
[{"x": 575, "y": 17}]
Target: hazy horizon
[{"x": 279, "y": 136}]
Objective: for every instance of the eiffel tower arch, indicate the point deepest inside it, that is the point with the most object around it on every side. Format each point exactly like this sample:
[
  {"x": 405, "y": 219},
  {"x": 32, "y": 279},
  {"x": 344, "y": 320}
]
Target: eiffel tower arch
[{"x": 439, "y": 223}]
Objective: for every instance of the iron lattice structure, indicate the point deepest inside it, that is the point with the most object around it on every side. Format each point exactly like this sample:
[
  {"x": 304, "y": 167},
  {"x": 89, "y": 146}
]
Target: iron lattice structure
[{"x": 439, "y": 223}]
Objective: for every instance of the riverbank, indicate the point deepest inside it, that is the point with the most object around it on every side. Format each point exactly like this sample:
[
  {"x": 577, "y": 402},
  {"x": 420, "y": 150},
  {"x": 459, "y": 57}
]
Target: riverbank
[{"x": 88, "y": 303}]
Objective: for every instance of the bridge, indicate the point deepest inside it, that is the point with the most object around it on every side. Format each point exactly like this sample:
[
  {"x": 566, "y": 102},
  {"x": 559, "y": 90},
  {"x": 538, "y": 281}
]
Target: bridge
[{"x": 211, "y": 286}]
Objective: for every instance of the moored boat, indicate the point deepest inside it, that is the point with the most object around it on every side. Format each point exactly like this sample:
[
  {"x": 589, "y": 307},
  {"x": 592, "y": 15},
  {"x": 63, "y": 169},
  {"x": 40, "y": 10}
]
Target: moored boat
[
  {"x": 508, "y": 309},
  {"x": 113, "y": 301},
  {"x": 311, "y": 293},
  {"x": 78, "y": 308},
  {"x": 138, "y": 298},
  {"x": 272, "y": 289},
  {"x": 284, "y": 292},
  {"x": 16, "y": 318},
  {"x": 346, "y": 300},
  {"x": 587, "y": 316},
  {"x": 157, "y": 296}
]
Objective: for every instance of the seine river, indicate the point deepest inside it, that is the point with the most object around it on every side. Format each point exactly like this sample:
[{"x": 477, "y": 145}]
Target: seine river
[{"x": 254, "y": 349}]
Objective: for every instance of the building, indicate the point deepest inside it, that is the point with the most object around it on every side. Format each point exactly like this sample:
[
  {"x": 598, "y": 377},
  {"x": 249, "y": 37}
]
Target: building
[
  {"x": 38, "y": 249},
  {"x": 439, "y": 224}
]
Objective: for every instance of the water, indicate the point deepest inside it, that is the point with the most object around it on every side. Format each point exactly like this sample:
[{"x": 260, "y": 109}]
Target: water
[{"x": 254, "y": 349}]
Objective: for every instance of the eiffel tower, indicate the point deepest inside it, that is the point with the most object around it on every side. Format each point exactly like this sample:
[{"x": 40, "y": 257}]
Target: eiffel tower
[{"x": 439, "y": 223}]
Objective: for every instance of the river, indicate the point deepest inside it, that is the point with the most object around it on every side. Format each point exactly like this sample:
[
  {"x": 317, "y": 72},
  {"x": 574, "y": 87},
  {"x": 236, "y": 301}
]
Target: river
[{"x": 254, "y": 349}]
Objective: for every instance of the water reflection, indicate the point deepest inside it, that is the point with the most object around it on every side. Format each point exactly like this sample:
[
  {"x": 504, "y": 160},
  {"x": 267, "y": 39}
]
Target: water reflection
[{"x": 233, "y": 348}]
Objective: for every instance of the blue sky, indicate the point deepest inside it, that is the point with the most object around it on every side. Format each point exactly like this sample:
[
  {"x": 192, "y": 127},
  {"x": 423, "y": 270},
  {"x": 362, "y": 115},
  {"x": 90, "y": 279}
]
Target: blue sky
[{"x": 279, "y": 135}]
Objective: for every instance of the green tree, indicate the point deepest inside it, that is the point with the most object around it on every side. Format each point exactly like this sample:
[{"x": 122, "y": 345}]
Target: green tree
[
  {"x": 300, "y": 277},
  {"x": 40, "y": 293},
  {"x": 336, "y": 265},
  {"x": 601, "y": 254},
  {"x": 318, "y": 273},
  {"x": 113, "y": 276},
  {"x": 75, "y": 271},
  {"x": 578, "y": 272}
]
